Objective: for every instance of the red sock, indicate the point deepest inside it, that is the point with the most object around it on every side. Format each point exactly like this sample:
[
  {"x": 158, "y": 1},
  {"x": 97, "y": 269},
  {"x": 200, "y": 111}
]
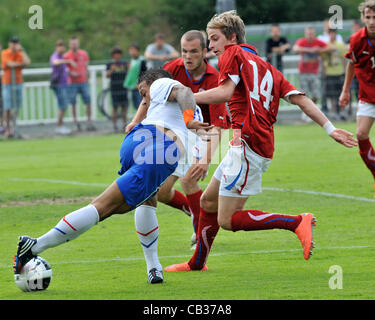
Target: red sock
[
  {"x": 367, "y": 153},
  {"x": 259, "y": 220},
  {"x": 194, "y": 201},
  {"x": 179, "y": 201},
  {"x": 207, "y": 230}
]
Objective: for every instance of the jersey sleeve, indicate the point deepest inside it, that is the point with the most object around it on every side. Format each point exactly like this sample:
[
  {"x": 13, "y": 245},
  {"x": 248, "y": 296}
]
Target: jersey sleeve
[
  {"x": 229, "y": 67},
  {"x": 351, "y": 52},
  {"x": 161, "y": 89},
  {"x": 287, "y": 89}
]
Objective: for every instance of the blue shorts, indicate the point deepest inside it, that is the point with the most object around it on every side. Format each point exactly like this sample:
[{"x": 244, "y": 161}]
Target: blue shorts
[
  {"x": 61, "y": 92},
  {"x": 12, "y": 96},
  {"x": 79, "y": 88},
  {"x": 148, "y": 157}
]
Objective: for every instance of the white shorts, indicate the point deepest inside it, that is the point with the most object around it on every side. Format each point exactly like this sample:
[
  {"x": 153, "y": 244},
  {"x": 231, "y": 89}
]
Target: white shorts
[
  {"x": 240, "y": 172},
  {"x": 196, "y": 151},
  {"x": 366, "y": 109}
]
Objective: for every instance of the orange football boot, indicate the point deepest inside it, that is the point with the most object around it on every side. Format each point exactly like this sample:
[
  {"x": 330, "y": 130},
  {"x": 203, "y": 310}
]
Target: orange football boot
[
  {"x": 304, "y": 232},
  {"x": 182, "y": 267}
]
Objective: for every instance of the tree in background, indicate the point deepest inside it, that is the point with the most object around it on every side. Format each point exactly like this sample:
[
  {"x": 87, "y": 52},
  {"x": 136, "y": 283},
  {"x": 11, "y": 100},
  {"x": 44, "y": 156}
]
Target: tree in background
[{"x": 103, "y": 24}]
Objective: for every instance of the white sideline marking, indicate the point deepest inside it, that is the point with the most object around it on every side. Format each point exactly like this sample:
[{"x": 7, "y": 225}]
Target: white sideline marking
[
  {"x": 317, "y": 193},
  {"x": 326, "y": 194},
  {"x": 217, "y": 254},
  {"x": 76, "y": 183}
]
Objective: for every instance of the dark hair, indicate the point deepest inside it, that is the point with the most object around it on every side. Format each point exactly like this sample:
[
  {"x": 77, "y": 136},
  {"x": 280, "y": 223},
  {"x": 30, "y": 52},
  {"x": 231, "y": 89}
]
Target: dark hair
[
  {"x": 116, "y": 50},
  {"x": 151, "y": 75},
  {"x": 134, "y": 45},
  {"x": 60, "y": 43},
  {"x": 159, "y": 36}
]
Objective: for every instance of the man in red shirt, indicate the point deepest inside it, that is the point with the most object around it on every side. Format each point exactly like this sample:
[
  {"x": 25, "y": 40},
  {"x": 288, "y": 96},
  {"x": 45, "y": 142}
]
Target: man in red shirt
[
  {"x": 361, "y": 57},
  {"x": 78, "y": 80},
  {"x": 253, "y": 88},
  {"x": 193, "y": 71},
  {"x": 310, "y": 49}
]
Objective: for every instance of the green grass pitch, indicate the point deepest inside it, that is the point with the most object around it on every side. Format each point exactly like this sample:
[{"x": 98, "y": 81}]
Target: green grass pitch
[{"x": 39, "y": 180}]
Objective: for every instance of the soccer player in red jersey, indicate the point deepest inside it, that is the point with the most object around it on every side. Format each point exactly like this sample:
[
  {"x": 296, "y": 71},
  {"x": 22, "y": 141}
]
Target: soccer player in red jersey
[
  {"x": 362, "y": 63},
  {"x": 193, "y": 71},
  {"x": 253, "y": 88}
]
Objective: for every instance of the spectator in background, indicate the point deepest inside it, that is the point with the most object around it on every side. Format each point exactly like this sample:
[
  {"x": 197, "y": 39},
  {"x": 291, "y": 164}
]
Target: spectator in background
[
  {"x": 60, "y": 84},
  {"x": 2, "y": 129},
  {"x": 334, "y": 69},
  {"x": 159, "y": 52},
  {"x": 13, "y": 60},
  {"x": 310, "y": 49},
  {"x": 276, "y": 46},
  {"x": 116, "y": 71},
  {"x": 78, "y": 80},
  {"x": 325, "y": 37},
  {"x": 136, "y": 68}
]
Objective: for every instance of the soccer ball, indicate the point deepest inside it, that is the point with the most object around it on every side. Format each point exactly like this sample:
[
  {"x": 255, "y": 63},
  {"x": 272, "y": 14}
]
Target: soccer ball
[{"x": 36, "y": 275}]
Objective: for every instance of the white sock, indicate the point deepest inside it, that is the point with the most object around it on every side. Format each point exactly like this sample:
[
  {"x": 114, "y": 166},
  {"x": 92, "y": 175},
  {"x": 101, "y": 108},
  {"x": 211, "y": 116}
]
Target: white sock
[
  {"x": 147, "y": 228},
  {"x": 68, "y": 228}
]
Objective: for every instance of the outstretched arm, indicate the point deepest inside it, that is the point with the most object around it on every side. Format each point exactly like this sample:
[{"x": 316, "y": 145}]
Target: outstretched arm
[
  {"x": 220, "y": 94},
  {"x": 310, "y": 109}
]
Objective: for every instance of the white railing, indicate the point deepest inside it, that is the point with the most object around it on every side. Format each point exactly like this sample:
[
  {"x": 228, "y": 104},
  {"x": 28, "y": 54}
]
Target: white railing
[
  {"x": 39, "y": 101},
  {"x": 40, "y": 105}
]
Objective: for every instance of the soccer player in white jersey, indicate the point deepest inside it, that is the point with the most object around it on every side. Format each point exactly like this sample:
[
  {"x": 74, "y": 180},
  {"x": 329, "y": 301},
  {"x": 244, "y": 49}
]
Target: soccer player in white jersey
[{"x": 149, "y": 154}]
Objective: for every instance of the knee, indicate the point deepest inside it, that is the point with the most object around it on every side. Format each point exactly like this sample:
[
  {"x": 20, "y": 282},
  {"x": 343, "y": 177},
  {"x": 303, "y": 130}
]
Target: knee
[
  {"x": 362, "y": 135},
  {"x": 208, "y": 203},
  {"x": 224, "y": 222},
  {"x": 165, "y": 195},
  {"x": 151, "y": 202}
]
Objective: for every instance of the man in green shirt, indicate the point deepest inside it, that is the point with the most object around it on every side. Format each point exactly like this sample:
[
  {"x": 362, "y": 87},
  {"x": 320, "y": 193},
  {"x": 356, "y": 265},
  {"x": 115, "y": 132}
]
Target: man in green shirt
[{"x": 136, "y": 67}]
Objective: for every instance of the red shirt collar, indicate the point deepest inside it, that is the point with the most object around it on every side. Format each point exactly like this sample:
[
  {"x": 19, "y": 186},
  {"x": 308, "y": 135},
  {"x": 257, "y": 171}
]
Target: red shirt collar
[
  {"x": 209, "y": 69},
  {"x": 242, "y": 45}
]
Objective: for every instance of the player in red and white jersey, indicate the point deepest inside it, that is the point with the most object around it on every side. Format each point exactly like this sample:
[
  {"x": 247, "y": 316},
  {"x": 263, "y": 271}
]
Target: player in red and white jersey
[
  {"x": 253, "y": 88},
  {"x": 361, "y": 57},
  {"x": 194, "y": 71}
]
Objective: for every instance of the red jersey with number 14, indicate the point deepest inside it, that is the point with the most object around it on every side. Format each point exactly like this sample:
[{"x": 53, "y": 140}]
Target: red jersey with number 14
[{"x": 255, "y": 102}]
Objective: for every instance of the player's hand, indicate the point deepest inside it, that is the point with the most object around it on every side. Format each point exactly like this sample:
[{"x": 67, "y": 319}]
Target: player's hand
[
  {"x": 130, "y": 127},
  {"x": 199, "y": 171},
  {"x": 344, "y": 99},
  {"x": 344, "y": 137},
  {"x": 197, "y": 125}
]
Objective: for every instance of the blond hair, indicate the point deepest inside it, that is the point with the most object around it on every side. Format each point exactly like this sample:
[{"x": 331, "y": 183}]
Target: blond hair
[
  {"x": 229, "y": 23},
  {"x": 370, "y": 4}
]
